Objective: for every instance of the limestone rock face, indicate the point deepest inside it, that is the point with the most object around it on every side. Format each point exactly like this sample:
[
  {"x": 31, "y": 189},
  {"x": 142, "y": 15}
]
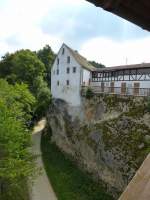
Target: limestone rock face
[{"x": 103, "y": 136}]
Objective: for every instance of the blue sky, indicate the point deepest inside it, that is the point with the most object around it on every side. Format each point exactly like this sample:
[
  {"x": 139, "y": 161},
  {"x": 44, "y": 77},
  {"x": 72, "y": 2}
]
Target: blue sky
[{"x": 97, "y": 34}]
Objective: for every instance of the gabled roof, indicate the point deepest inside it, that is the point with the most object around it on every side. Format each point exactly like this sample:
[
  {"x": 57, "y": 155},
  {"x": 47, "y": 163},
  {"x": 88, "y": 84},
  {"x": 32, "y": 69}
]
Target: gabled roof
[
  {"x": 81, "y": 60},
  {"x": 121, "y": 67}
]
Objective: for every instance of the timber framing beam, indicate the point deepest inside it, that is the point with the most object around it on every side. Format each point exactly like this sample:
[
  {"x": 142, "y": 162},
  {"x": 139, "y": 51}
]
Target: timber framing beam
[{"x": 121, "y": 75}]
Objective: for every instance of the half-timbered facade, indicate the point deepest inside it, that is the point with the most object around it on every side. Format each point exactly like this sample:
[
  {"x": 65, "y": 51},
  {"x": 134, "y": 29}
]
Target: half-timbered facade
[{"x": 127, "y": 79}]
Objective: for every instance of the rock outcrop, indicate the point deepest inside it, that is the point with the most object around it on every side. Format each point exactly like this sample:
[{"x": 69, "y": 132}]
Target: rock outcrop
[{"x": 108, "y": 136}]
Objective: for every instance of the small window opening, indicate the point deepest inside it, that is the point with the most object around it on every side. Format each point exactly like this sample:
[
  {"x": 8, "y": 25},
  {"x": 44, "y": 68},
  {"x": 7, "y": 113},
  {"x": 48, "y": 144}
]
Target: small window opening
[
  {"x": 68, "y": 70},
  {"x": 67, "y": 82},
  {"x": 58, "y": 83},
  {"x": 68, "y": 59},
  {"x": 57, "y": 71},
  {"x": 74, "y": 69},
  {"x": 57, "y": 61},
  {"x": 63, "y": 51}
]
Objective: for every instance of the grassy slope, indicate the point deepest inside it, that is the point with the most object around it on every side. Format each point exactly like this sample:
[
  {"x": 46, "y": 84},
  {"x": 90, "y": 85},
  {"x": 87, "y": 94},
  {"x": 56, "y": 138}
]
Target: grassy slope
[{"x": 69, "y": 182}]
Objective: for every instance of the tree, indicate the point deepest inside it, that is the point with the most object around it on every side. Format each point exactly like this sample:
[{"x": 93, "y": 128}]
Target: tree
[
  {"x": 18, "y": 97},
  {"x": 22, "y": 66},
  {"x": 97, "y": 65},
  {"x": 25, "y": 67},
  {"x": 16, "y": 161},
  {"x": 47, "y": 56},
  {"x": 6, "y": 65},
  {"x": 43, "y": 96}
]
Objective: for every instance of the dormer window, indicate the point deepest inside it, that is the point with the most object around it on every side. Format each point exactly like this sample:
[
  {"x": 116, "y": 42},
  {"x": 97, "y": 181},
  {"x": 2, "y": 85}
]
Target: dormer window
[
  {"x": 63, "y": 51},
  {"x": 68, "y": 59},
  {"x": 68, "y": 70},
  {"x": 57, "y": 61}
]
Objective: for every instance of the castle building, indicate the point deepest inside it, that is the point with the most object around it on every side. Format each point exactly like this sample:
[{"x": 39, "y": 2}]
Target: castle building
[{"x": 69, "y": 73}]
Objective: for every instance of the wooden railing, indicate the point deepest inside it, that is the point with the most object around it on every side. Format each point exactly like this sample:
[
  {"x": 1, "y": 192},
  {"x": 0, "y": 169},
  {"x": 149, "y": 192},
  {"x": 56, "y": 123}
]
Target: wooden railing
[{"x": 118, "y": 90}]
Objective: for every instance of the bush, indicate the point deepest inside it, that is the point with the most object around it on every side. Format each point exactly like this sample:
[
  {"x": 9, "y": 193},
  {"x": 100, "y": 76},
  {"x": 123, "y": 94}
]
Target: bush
[
  {"x": 148, "y": 105},
  {"x": 89, "y": 93},
  {"x": 16, "y": 161}
]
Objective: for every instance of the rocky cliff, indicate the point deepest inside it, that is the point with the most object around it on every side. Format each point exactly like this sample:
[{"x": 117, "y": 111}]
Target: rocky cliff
[{"x": 108, "y": 136}]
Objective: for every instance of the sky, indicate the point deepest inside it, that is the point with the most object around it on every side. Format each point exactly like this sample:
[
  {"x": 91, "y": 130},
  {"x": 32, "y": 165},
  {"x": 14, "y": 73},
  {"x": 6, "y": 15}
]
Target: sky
[{"x": 95, "y": 33}]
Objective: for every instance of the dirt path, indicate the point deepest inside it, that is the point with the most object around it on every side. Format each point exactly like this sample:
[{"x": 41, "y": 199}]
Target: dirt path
[{"x": 41, "y": 189}]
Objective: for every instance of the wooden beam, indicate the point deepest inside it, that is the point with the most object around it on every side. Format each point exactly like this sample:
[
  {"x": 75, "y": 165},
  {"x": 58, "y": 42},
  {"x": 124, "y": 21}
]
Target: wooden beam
[{"x": 134, "y": 11}]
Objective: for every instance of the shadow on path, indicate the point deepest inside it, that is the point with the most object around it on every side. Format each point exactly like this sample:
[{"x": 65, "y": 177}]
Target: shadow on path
[{"x": 41, "y": 189}]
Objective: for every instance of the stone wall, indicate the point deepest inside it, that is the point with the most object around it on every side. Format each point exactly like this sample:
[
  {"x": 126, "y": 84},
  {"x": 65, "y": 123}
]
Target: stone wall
[{"x": 108, "y": 136}]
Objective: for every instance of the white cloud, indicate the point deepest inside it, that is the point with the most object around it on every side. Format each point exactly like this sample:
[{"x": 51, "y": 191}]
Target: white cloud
[
  {"x": 21, "y": 28},
  {"x": 113, "y": 53},
  {"x": 21, "y": 19}
]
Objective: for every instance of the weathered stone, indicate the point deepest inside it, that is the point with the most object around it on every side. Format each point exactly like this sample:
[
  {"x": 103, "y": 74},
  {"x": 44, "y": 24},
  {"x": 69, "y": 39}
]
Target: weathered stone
[
  {"x": 95, "y": 136},
  {"x": 103, "y": 136}
]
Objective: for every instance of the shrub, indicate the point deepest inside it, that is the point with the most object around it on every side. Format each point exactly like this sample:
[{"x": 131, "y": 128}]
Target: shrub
[{"x": 89, "y": 93}]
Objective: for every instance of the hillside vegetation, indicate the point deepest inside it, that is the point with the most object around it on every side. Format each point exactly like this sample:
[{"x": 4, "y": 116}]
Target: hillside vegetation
[
  {"x": 68, "y": 181},
  {"x": 25, "y": 79},
  {"x": 24, "y": 97}
]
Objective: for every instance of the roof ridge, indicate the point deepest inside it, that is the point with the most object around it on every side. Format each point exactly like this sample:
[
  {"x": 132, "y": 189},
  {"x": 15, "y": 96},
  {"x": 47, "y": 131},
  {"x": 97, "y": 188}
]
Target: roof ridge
[
  {"x": 81, "y": 59},
  {"x": 121, "y": 67},
  {"x": 131, "y": 64}
]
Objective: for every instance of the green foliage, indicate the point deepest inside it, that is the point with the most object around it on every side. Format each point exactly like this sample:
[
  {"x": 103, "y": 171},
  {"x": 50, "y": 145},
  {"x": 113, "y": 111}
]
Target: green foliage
[
  {"x": 22, "y": 66},
  {"x": 18, "y": 98},
  {"x": 148, "y": 105},
  {"x": 25, "y": 96},
  {"x": 89, "y": 93},
  {"x": 43, "y": 96},
  {"x": 16, "y": 162},
  {"x": 25, "y": 67},
  {"x": 97, "y": 65},
  {"x": 68, "y": 181},
  {"x": 47, "y": 56},
  {"x": 6, "y": 65}
]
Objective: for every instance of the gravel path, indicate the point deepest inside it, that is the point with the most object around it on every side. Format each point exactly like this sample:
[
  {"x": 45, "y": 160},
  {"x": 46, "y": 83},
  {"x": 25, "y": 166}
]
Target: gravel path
[{"x": 41, "y": 189}]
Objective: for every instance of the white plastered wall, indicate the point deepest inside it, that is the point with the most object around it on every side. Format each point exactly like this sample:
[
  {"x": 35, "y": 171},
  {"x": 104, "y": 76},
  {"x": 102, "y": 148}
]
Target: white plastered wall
[{"x": 70, "y": 93}]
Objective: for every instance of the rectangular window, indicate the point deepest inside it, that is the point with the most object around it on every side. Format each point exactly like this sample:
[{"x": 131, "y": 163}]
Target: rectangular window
[
  {"x": 68, "y": 59},
  {"x": 57, "y": 71},
  {"x": 57, "y": 61},
  {"x": 68, "y": 70},
  {"x": 63, "y": 51},
  {"x": 74, "y": 69},
  {"x": 58, "y": 83},
  {"x": 67, "y": 82}
]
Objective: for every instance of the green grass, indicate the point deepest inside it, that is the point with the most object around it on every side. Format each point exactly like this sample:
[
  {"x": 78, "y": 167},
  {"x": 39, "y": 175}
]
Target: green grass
[
  {"x": 16, "y": 192},
  {"x": 68, "y": 181}
]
